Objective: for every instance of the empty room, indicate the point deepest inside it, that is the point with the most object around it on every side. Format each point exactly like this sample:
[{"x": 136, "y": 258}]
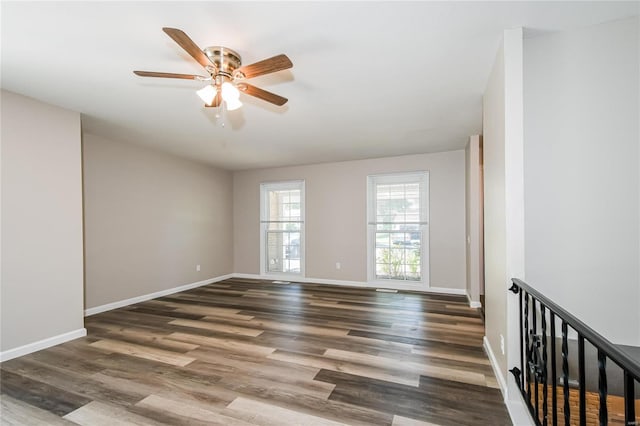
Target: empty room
[{"x": 320, "y": 213}]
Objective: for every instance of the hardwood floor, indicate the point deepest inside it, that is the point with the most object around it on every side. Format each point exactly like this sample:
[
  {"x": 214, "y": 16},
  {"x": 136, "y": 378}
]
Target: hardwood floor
[{"x": 246, "y": 352}]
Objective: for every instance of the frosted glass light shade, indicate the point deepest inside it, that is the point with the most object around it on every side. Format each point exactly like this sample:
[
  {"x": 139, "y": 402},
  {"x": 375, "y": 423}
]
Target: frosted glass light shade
[
  {"x": 229, "y": 91},
  {"x": 233, "y": 104},
  {"x": 207, "y": 94}
]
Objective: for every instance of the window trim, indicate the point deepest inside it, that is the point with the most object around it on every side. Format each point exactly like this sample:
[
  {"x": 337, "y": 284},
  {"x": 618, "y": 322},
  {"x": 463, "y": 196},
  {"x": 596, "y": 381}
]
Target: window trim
[
  {"x": 281, "y": 185},
  {"x": 390, "y": 178}
]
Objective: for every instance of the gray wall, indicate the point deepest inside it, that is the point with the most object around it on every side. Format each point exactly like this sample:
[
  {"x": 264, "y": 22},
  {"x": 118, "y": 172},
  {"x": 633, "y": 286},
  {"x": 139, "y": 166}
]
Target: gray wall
[
  {"x": 150, "y": 218},
  {"x": 336, "y": 215},
  {"x": 41, "y": 288},
  {"x": 581, "y": 174},
  {"x": 474, "y": 219}
]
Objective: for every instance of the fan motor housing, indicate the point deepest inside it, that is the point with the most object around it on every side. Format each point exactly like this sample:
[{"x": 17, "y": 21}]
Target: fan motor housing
[{"x": 226, "y": 60}]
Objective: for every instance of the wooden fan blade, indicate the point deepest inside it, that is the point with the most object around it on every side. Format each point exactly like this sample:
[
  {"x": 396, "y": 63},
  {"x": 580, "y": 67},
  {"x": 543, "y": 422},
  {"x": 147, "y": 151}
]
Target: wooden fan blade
[
  {"x": 169, "y": 75},
  {"x": 267, "y": 66},
  {"x": 262, "y": 94},
  {"x": 216, "y": 101},
  {"x": 189, "y": 46}
]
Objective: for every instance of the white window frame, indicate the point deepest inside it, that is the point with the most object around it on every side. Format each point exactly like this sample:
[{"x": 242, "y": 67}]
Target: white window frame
[
  {"x": 283, "y": 185},
  {"x": 389, "y": 178}
]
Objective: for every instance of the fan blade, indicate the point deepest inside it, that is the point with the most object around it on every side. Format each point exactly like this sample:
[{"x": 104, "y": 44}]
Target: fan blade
[
  {"x": 169, "y": 75},
  {"x": 189, "y": 46},
  {"x": 216, "y": 101},
  {"x": 267, "y": 66},
  {"x": 262, "y": 94}
]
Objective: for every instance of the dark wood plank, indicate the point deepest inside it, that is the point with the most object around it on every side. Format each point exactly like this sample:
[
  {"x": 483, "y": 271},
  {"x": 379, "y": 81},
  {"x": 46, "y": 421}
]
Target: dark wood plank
[
  {"x": 39, "y": 394},
  {"x": 166, "y": 313},
  {"x": 470, "y": 343},
  {"x": 445, "y": 406},
  {"x": 85, "y": 385}
]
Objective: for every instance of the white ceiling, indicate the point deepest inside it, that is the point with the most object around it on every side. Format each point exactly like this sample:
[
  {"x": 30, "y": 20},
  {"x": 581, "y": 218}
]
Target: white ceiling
[{"x": 370, "y": 79}]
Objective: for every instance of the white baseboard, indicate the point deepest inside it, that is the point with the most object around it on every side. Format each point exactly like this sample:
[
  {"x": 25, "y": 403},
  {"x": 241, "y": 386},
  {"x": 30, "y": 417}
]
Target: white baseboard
[
  {"x": 362, "y": 284},
  {"x": 496, "y": 368},
  {"x": 145, "y": 297},
  {"x": 518, "y": 412},
  {"x": 42, "y": 344},
  {"x": 515, "y": 406},
  {"x": 445, "y": 290}
]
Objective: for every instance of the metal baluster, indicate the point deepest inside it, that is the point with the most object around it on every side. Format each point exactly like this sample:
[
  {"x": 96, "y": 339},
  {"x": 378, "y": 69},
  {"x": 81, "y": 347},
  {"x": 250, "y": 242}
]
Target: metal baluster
[
  {"x": 554, "y": 381},
  {"x": 522, "y": 332},
  {"x": 629, "y": 400},
  {"x": 534, "y": 343},
  {"x": 602, "y": 387},
  {"x": 518, "y": 373},
  {"x": 583, "y": 384},
  {"x": 545, "y": 391},
  {"x": 565, "y": 374},
  {"x": 526, "y": 342}
]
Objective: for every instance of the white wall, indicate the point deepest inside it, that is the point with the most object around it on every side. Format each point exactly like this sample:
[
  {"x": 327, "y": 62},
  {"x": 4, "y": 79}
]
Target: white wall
[
  {"x": 582, "y": 174},
  {"x": 514, "y": 201},
  {"x": 336, "y": 219},
  {"x": 150, "y": 218},
  {"x": 494, "y": 209},
  {"x": 42, "y": 269},
  {"x": 504, "y": 214}
]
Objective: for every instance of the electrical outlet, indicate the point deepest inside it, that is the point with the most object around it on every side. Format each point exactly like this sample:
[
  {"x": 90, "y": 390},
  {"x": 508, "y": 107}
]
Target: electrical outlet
[
  {"x": 338, "y": 266},
  {"x": 502, "y": 344},
  {"x": 197, "y": 268}
]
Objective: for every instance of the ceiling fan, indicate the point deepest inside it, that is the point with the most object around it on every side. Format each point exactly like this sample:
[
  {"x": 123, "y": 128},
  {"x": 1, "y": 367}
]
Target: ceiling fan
[{"x": 226, "y": 74}]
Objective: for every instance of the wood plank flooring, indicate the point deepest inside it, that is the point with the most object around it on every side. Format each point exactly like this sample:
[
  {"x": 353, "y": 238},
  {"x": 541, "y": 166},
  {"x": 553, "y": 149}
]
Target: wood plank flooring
[
  {"x": 615, "y": 407},
  {"x": 248, "y": 352}
]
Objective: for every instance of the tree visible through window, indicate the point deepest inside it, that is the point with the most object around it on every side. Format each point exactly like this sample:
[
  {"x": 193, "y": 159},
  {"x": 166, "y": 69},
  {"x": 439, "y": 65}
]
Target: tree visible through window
[{"x": 397, "y": 222}]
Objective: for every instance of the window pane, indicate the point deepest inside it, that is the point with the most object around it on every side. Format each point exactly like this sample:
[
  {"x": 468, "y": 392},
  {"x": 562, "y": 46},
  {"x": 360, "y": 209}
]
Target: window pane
[
  {"x": 274, "y": 252},
  {"x": 283, "y": 205},
  {"x": 382, "y": 239},
  {"x": 412, "y": 217},
  {"x": 397, "y": 255},
  {"x": 382, "y": 255},
  {"x": 283, "y": 251}
]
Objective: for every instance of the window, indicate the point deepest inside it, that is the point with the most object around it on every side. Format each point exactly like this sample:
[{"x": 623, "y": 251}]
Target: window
[
  {"x": 282, "y": 228},
  {"x": 398, "y": 228}
]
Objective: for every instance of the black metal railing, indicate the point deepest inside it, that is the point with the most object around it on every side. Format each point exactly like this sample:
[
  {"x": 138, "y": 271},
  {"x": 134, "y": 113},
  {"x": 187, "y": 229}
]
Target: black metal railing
[{"x": 601, "y": 396}]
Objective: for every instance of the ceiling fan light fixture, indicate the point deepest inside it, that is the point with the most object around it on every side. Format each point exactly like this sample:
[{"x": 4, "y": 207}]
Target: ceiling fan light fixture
[
  {"x": 233, "y": 104},
  {"x": 225, "y": 72},
  {"x": 208, "y": 94}
]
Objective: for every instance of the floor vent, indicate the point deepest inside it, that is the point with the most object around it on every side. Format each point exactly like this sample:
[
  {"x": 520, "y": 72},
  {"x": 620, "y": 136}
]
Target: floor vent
[{"x": 386, "y": 290}]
